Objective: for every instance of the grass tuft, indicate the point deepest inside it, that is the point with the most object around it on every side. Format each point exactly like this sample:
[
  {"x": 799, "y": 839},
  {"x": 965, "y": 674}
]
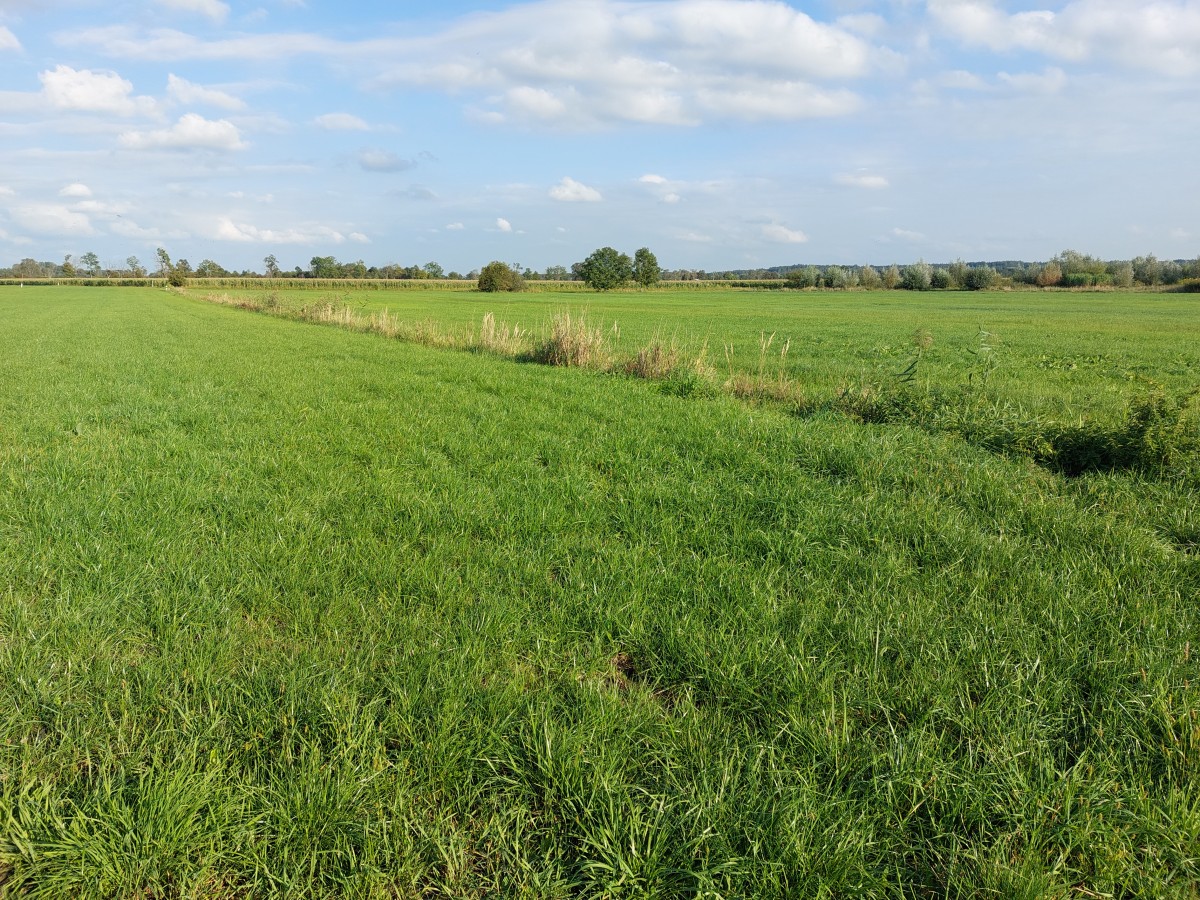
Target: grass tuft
[{"x": 573, "y": 343}]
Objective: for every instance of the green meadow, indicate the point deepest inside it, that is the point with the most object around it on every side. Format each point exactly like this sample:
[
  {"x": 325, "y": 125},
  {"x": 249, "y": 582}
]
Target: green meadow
[{"x": 292, "y": 610}]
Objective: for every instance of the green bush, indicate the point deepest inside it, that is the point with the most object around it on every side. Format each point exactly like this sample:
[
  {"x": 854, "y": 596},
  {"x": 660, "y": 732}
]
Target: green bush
[{"x": 497, "y": 276}]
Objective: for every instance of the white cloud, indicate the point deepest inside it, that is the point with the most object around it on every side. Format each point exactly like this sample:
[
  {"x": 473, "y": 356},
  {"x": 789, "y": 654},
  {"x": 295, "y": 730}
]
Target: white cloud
[
  {"x": 670, "y": 198},
  {"x": 571, "y": 191},
  {"x": 384, "y": 161},
  {"x": 83, "y": 90},
  {"x": 455, "y": 226},
  {"x": 359, "y": 238},
  {"x": 8, "y": 40},
  {"x": 869, "y": 25},
  {"x": 504, "y": 225},
  {"x": 6, "y": 191},
  {"x": 1051, "y": 81},
  {"x": 341, "y": 121},
  {"x": 861, "y": 180},
  {"x": 75, "y": 190},
  {"x": 213, "y": 9},
  {"x": 52, "y": 219},
  {"x": 1161, "y": 35},
  {"x": 906, "y": 235},
  {"x": 652, "y": 179},
  {"x": 783, "y": 235},
  {"x": 225, "y": 229},
  {"x": 191, "y": 132},
  {"x": 182, "y": 91},
  {"x": 583, "y": 64},
  {"x": 960, "y": 79}
]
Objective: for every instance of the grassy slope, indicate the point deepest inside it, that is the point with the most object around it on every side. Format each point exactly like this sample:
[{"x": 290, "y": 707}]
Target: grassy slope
[{"x": 290, "y": 611}]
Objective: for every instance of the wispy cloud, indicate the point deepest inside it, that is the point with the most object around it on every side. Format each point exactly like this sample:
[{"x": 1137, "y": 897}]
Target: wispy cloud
[
  {"x": 340, "y": 121},
  {"x": 182, "y": 91},
  {"x": 781, "y": 234}
]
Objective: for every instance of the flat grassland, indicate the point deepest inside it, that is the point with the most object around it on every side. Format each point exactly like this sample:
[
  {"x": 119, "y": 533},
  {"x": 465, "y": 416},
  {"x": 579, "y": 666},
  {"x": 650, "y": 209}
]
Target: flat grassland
[{"x": 294, "y": 611}]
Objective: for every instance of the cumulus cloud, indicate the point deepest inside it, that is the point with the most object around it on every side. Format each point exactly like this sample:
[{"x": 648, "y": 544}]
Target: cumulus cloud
[
  {"x": 384, "y": 161},
  {"x": 1161, "y": 35},
  {"x": 861, "y": 180},
  {"x": 225, "y": 229},
  {"x": 182, "y": 91},
  {"x": 455, "y": 226},
  {"x": 652, "y": 179},
  {"x": 52, "y": 220},
  {"x": 191, "y": 132},
  {"x": 781, "y": 234},
  {"x": 83, "y": 90},
  {"x": 341, "y": 121},
  {"x": 585, "y": 64},
  {"x": 359, "y": 238},
  {"x": 6, "y": 191},
  {"x": 8, "y": 40},
  {"x": 212, "y": 9},
  {"x": 675, "y": 63},
  {"x": 571, "y": 191},
  {"x": 905, "y": 235},
  {"x": 504, "y": 225},
  {"x": 75, "y": 190}
]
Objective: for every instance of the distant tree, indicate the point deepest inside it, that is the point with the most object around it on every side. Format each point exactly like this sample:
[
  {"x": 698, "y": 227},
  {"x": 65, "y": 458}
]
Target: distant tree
[
  {"x": 834, "y": 277},
  {"x": 164, "y": 262},
  {"x": 891, "y": 276},
  {"x": 957, "y": 271},
  {"x": 356, "y": 269},
  {"x": 67, "y": 268},
  {"x": 806, "y": 277},
  {"x": 1122, "y": 274},
  {"x": 454, "y": 276},
  {"x": 433, "y": 270},
  {"x": 606, "y": 269},
  {"x": 1050, "y": 275},
  {"x": 324, "y": 267},
  {"x": 209, "y": 269},
  {"x": 1147, "y": 270},
  {"x": 91, "y": 262},
  {"x": 979, "y": 278},
  {"x": 499, "y": 276},
  {"x": 869, "y": 278},
  {"x": 916, "y": 277},
  {"x": 646, "y": 270},
  {"x": 557, "y": 273},
  {"x": 136, "y": 269},
  {"x": 271, "y": 266},
  {"x": 29, "y": 268},
  {"x": 184, "y": 267},
  {"x": 939, "y": 279}
]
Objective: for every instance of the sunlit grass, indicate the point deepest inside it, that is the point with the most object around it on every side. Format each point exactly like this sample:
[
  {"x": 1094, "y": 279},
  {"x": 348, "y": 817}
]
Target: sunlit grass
[{"x": 296, "y": 611}]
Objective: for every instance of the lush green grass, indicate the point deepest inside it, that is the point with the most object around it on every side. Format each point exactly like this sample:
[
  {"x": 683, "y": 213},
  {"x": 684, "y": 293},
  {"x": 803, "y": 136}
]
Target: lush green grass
[
  {"x": 1055, "y": 353},
  {"x": 294, "y": 611}
]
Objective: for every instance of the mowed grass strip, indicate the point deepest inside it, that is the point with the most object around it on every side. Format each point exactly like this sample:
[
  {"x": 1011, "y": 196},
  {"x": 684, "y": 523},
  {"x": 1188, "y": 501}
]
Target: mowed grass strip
[{"x": 293, "y": 611}]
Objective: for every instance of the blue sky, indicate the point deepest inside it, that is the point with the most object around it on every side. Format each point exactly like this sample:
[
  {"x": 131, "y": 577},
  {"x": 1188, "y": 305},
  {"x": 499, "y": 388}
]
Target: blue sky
[{"x": 720, "y": 133}]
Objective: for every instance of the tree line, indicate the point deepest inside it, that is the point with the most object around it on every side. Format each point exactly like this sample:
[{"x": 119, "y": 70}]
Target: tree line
[{"x": 607, "y": 268}]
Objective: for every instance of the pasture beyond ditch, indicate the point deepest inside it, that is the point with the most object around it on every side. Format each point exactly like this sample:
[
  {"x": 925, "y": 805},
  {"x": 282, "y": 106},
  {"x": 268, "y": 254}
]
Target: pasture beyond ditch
[{"x": 294, "y": 611}]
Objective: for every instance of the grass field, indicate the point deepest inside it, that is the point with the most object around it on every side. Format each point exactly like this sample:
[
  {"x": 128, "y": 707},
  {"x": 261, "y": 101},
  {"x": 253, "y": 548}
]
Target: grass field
[{"x": 292, "y": 611}]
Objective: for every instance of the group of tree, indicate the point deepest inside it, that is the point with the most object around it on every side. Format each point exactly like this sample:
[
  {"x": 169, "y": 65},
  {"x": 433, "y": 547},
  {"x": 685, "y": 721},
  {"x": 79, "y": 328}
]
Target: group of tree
[{"x": 607, "y": 268}]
